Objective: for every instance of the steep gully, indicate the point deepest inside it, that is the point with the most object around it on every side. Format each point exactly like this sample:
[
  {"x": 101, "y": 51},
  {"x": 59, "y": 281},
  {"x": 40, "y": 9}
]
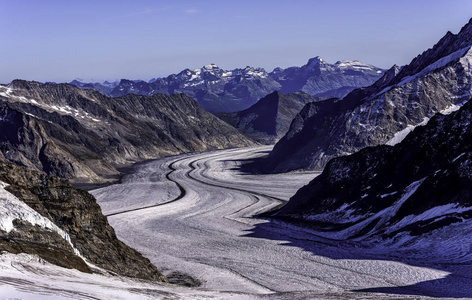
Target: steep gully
[{"x": 204, "y": 224}]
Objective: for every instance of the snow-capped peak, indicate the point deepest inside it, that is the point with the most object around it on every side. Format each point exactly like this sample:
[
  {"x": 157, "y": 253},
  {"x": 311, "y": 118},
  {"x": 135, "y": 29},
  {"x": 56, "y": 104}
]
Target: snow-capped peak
[
  {"x": 314, "y": 61},
  {"x": 353, "y": 64},
  {"x": 210, "y": 67}
]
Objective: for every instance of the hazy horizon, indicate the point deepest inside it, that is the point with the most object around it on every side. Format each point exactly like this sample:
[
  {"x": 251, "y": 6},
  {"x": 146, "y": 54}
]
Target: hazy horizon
[{"x": 60, "y": 41}]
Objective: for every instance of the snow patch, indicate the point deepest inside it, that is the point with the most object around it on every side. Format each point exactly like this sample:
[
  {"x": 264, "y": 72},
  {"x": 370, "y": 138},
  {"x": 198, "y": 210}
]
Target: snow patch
[
  {"x": 430, "y": 68},
  {"x": 342, "y": 215},
  {"x": 382, "y": 216},
  {"x": 458, "y": 157},
  {"x": 401, "y": 135},
  {"x": 438, "y": 212}
]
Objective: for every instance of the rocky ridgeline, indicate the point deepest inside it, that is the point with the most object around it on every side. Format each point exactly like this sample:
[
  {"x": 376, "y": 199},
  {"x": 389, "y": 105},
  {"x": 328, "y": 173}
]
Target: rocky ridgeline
[
  {"x": 84, "y": 136},
  {"x": 79, "y": 216}
]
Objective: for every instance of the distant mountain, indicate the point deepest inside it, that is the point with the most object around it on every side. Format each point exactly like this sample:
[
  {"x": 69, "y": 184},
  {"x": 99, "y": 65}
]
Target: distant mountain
[
  {"x": 321, "y": 79},
  {"x": 102, "y": 87},
  {"x": 413, "y": 188},
  {"x": 436, "y": 81},
  {"x": 218, "y": 90},
  {"x": 48, "y": 217},
  {"x": 269, "y": 119},
  {"x": 84, "y": 136},
  {"x": 214, "y": 89}
]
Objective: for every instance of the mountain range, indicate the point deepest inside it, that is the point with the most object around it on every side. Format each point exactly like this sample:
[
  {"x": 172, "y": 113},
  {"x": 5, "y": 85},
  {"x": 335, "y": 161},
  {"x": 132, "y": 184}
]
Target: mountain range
[
  {"x": 218, "y": 90},
  {"x": 438, "y": 80}
]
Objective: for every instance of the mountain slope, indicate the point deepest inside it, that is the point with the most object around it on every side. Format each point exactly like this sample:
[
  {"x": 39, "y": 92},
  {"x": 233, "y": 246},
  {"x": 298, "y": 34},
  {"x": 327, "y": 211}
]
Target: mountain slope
[
  {"x": 48, "y": 217},
  {"x": 410, "y": 189},
  {"x": 269, "y": 119},
  {"x": 438, "y": 80},
  {"x": 84, "y": 136}
]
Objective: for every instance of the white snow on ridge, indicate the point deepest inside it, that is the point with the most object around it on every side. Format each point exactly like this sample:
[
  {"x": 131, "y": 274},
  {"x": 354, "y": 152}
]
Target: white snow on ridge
[
  {"x": 454, "y": 107},
  {"x": 401, "y": 135},
  {"x": 437, "y": 64},
  {"x": 5, "y": 91},
  {"x": 12, "y": 208},
  {"x": 462, "y": 53}
]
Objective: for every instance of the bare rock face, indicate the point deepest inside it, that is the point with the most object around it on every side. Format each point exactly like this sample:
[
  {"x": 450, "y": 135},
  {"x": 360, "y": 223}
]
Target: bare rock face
[
  {"x": 83, "y": 136},
  {"x": 439, "y": 80},
  {"x": 413, "y": 188},
  {"x": 79, "y": 216},
  {"x": 269, "y": 119}
]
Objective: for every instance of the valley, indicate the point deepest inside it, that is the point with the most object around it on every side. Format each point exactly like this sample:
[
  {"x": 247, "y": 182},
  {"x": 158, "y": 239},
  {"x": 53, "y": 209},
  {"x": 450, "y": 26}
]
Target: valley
[
  {"x": 323, "y": 181},
  {"x": 195, "y": 216}
]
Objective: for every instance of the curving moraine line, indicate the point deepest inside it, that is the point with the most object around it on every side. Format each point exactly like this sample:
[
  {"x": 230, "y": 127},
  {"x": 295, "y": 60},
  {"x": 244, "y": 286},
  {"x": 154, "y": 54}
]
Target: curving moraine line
[
  {"x": 183, "y": 192},
  {"x": 179, "y": 186}
]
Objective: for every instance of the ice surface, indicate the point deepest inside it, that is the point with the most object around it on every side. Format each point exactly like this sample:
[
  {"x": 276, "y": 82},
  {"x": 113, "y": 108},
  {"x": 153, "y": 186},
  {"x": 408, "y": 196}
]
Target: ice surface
[{"x": 211, "y": 233}]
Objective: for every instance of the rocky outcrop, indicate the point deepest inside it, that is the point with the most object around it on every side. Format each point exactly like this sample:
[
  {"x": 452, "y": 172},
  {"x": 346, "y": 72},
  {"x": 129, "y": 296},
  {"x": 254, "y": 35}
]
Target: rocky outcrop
[
  {"x": 413, "y": 188},
  {"x": 438, "y": 80},
  {"x": 74, "y": 213},
  {"x": 269, "y": 119},
  {"x": 84, "y": 136}
]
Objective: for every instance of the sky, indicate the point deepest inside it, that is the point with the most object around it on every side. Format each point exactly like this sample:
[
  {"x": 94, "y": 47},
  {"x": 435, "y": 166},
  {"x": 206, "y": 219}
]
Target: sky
[{"x": 61, "y": 40}]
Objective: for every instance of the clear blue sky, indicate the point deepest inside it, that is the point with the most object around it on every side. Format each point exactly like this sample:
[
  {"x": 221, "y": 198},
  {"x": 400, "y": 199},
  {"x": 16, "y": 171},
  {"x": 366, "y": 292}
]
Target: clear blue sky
[{"x": 59, "y": 40}]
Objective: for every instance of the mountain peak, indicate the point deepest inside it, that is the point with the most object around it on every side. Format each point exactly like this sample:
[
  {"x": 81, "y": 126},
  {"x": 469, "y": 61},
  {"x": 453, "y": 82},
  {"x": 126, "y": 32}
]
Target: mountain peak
[
  {"x": 210, "y": 67},
  {"x": 314, "y": 61}
]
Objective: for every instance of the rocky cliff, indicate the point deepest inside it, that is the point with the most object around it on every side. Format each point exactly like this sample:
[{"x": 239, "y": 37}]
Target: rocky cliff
[{"x": 48, "y": 217}]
